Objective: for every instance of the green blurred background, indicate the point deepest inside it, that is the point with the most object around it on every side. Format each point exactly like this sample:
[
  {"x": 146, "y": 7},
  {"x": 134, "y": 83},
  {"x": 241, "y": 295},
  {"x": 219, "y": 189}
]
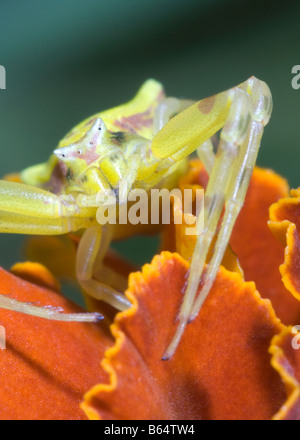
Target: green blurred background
[{"x": 67, "y": 59}]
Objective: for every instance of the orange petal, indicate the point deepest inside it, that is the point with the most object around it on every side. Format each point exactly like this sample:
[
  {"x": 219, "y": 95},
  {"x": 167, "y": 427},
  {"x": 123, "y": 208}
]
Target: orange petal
[
  {"x": 290, "y": 270},
  {"x": 285, "y": 224},
  {"x": 221, "y": 369},
  {"x": 36, "y": 273},
  {"x": 287, "y": 208},
  {"x": 286, "y": 360},
  {"x": 47, "y": 366},
  {"x": 259, "y": 253}
]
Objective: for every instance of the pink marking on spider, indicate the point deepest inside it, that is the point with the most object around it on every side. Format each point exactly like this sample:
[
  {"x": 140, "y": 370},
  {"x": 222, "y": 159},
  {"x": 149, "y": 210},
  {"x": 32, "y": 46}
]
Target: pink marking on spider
[
  {"x": 206, "y": 105},
  {"x": 56, "y": 182},
  {"x": 135, "y": 122},
  {"x": 89, "y": 156}
]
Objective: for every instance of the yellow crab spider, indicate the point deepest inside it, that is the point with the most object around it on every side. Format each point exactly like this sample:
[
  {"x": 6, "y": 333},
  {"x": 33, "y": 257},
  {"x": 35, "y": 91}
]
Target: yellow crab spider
[{"x": 144, "y": 143}]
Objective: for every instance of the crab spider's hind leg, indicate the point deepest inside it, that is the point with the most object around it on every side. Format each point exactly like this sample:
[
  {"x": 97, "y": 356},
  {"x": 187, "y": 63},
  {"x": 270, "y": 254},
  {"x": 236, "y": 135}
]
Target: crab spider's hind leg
[
  {"x": 228, "y": 183},
  {"x": 213, "y": 205},
  {"x": 91, "y": 251},
  {"x": 167, "y": 109}
]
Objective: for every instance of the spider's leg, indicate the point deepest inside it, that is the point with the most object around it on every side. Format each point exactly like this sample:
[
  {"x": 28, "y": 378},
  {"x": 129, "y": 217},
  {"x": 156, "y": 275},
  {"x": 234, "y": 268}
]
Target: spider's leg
[
  {"x": 91, "y": 251},
  {"x": 25, "y": 209},
  {"x": 95, "y": 241},
  {"x": 167, "y": 109},
  {"x": 262, "y": 103},
  {"x": 50, "y": 313},
  {"x": 223, "y": 172},
  {"x": 207, "y": 156}
]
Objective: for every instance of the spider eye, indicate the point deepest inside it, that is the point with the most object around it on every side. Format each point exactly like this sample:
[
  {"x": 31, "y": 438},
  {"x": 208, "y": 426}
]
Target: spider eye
[
  {"x": 63, "y": 155},
  {"x": 79, "y": 151}
]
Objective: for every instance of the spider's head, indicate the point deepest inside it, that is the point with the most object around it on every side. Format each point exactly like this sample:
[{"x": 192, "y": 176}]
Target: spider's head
[{"x": 81, "y": 154}]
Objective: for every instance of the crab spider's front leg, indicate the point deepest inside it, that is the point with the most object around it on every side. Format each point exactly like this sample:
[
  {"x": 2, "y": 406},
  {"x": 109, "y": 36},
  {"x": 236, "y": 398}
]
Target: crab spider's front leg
[
  {"x": 28, "y": 210},
  {"x": 243, "y": 112},
  {"x": 167, "y": 109},
  {"x": 91, "y": 251},
  {"x": 238, "y": 185}
]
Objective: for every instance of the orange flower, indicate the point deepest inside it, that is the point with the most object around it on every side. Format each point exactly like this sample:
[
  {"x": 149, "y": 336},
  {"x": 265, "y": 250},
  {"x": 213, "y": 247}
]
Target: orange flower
[
  {"x": 47, "y": 365},
  {"x": 237, "y": 360}
]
